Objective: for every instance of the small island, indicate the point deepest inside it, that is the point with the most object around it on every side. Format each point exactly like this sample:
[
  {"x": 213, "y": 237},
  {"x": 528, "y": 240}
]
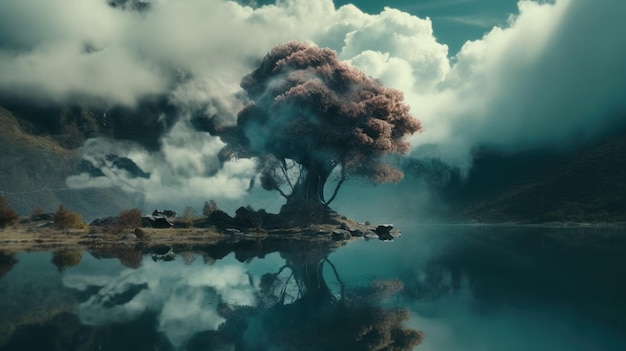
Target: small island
[{"x": 132, "y": 230}]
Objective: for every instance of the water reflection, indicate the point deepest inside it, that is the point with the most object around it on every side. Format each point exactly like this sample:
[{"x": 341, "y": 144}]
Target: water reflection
[
  {"x": 311, "y": 317},
  {"x": 219, "y": 302},
  {"x": 466, "y": 288},
  {"x": 7, "y": 261}
]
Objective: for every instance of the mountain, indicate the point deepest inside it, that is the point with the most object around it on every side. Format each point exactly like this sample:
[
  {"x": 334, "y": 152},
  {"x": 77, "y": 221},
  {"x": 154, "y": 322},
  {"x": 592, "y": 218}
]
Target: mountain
[
  {"x": 41, "y": 143},
  {"x": 585, "y": 184},
  {"x": 39, "y": 151}
]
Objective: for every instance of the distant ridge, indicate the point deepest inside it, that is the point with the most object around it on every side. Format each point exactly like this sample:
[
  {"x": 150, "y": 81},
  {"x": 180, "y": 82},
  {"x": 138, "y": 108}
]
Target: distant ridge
[
  {"x": 33, "y": 169},
  {"x": 587, "y": 184}
]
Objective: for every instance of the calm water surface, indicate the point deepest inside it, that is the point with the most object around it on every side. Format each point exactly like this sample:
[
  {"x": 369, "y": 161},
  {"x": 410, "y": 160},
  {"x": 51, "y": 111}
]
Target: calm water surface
[{"x": 464, "y": 288}]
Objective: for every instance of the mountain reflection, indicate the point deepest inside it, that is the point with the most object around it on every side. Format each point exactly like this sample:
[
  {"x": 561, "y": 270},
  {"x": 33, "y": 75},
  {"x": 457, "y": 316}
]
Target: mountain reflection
[
  {"x": 220, "y": 303},
  {"x": 465, "y": 287}
]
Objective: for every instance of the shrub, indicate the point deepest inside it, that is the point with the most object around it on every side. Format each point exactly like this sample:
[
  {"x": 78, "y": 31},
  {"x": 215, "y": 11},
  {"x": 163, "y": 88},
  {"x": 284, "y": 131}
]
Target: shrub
[
  {"x": 189, "y": 215},
  {"x": 64, "y": 219},
  {"x": 129, "y": 219},
  {"x": 7, "y": 215},
  {"x": 209, "y": 207}
]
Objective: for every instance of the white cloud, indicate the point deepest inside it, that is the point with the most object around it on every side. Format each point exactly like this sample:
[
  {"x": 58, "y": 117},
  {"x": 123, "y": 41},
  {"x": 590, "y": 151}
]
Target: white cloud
[
  {"x": 551, "y": 78},
  {"x": 184, "y": 172},
  {"x": 552, "y": 75}
]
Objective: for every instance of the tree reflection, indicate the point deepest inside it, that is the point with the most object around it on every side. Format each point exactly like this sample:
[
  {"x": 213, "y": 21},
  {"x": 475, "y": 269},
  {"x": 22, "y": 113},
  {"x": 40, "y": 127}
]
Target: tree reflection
[
  {"x": 7, "y": 261},
  {"x": 300, "y": 312},
  {"x": 303, "y": 305},
  {"x": 130, "y": 258},
  {"x": 64, "y": 259}
]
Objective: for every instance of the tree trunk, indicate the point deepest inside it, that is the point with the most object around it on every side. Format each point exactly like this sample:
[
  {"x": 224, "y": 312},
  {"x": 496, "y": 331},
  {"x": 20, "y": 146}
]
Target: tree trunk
[
  {"x": 306, "y": 204},
  {"x": 310, "y": 189}
]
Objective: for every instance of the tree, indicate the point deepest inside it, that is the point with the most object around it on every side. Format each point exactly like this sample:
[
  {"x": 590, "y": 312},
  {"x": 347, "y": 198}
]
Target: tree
[
  {"x": 64, "y": 219},
  {"x": 309, "y": 115},
  {"x": 189, "y": 215},
  {"x": 129, "y": 219},
  {"x": 7, "y": 214}
]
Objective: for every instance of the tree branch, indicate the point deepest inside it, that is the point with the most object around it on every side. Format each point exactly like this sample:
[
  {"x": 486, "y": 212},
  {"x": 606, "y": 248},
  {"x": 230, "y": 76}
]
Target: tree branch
[
  {"x": 341, "y": 180},
  {"x": 281, "y": 192},
  {"x": 341, "y": 284},
  {"x": 283, "y": 168}
]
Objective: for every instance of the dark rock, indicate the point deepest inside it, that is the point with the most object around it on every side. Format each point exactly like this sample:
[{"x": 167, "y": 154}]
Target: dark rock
[
  {"x": 140, "y": 233},
  {"x": 156, "y": 222},
  {"x": 43, "y": 225},
  {"x": 104, "y": 222},
  {"x": 340, "y": 234},
  {"x": 43, "y": 217},
  {"x": 370, "y": 234},
  {"x": 162, "y": 253},
  {"x": 161, "y": 249},
  {"x": 386, "y": 232},
  {"x": 357, "y": 232},
  {"x": 232, "y": 231},
  {"x": 247, "y": 217},
  {"x": 169, "y": 214},
  {"x": 220, "y": 219},
  {"x": 346, "y": 226}
]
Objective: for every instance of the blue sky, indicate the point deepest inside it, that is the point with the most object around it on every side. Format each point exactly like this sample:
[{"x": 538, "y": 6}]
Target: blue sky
[{"x": 454, "y": 21}]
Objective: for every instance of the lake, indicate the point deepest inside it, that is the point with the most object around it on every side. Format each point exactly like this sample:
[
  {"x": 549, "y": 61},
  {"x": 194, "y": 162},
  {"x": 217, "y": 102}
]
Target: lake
[{"x": 446, "y": 287}]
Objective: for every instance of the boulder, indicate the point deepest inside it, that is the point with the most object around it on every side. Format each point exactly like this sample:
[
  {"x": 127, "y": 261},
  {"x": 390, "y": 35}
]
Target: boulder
[
  {"x": 341, "y": 234},
  {"x": 358, "y": 232},
  {"x": 220, "y": 219},
  {"x": 386, "y": 232},
  {"x": 370, "y": 234},
  {"x": 140, "y": 233},
  {"x": 346, "y": 226},
  {"x": 42, "y": 217},
  {"x": 247, "y": 217},
  {"x": 232, "y": 231},
  {"x": 104, "y": 222},
  {"x": 156, "y": 222},
  {"x": 169, "y": 214},
  {"x": 44, "y": 225},
  {"x": 162, "y": 253}
]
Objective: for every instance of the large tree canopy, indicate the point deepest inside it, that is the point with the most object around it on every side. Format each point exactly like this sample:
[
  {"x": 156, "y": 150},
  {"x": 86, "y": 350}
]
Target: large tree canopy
[{"x": 310, "y": 113}]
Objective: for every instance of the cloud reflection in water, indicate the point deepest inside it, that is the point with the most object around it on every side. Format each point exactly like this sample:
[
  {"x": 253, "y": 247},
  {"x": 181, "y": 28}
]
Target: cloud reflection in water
[{"x": 184, "y": 298}]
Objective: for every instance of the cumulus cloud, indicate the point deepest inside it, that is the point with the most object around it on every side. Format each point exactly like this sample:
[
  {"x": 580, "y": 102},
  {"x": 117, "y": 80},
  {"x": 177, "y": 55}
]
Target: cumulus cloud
[
  {"x": 552, "y": 76},
  {"x": 186, "y": 168}
]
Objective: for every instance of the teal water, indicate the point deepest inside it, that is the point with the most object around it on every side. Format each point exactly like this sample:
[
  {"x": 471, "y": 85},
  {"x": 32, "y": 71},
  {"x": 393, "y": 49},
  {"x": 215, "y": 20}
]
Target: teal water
[{"x": 463, "y": 287}]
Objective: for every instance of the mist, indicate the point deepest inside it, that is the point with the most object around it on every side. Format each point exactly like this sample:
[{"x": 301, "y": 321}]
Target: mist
[{"x": 551, "y": 77}]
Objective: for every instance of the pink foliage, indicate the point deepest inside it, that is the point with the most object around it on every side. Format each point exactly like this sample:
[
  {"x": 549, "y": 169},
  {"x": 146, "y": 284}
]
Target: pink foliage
[{"x": 321, "y": 112}]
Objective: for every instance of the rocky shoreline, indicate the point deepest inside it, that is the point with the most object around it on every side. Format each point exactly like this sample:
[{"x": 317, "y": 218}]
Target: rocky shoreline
[{"x": 38, "y": 235}]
